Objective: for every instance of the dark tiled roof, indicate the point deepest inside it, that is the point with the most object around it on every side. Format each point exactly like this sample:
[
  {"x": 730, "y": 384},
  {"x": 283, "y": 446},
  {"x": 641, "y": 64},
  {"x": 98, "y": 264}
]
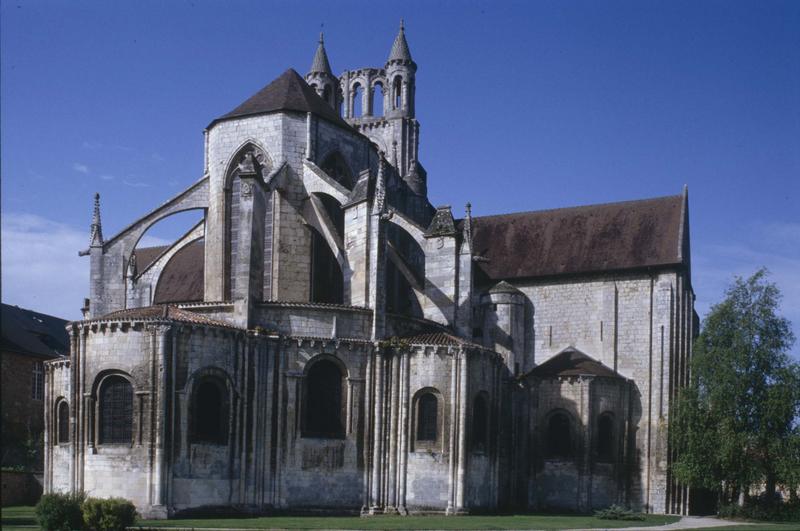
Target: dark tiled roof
[
  {"x": 289, "y": 92},
  {"x": 147, "y": 255},
  {"x": 613, "y": 236},
  {"x": 160, "y": 313},
  {"x": 572, "y": 362},
  {"x": 33, "y": 333},
  {"x": 182, "y": 278}
]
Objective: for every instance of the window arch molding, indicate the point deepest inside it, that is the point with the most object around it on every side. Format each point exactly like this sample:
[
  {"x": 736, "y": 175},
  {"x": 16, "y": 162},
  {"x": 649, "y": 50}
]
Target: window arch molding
[
  {"x": 62, "y": 421},
  {"x": 422, "y": 422},
  {"x": 324, "y": 412},
  {"x": 560, "y": 435},
  {"x": 202, "y": 433},
  {"x": 115, "y": 421}
]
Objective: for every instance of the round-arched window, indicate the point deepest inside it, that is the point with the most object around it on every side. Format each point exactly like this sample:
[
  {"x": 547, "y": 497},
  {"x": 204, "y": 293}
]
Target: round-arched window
[{"x": 323, "y": 404}]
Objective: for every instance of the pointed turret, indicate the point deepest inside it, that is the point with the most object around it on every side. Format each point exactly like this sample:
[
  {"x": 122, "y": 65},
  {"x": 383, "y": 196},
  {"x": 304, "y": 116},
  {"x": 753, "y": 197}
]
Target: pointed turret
[
  {"x": 320, "y": 64},
  {"x": 400, "y": 52},
  {"x": 321, "y": 78},
  {"x": 96, "y": 235}
]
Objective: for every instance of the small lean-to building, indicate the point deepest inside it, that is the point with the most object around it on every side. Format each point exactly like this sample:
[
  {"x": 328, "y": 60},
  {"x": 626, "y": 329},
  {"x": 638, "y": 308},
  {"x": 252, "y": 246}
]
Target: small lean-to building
[{"x": 326, "y": 339}]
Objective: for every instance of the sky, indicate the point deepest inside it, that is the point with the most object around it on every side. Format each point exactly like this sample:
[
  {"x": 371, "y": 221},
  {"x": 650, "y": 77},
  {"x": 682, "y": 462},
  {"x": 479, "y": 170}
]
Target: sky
[{"x": 523, "y": 106}]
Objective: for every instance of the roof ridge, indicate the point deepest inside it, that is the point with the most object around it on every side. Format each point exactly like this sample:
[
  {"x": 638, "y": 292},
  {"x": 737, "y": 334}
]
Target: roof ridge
[{"x": 576, "y": 207}]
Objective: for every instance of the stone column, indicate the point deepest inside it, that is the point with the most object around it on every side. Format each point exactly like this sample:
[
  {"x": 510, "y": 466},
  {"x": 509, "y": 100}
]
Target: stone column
[
  {"x": 377, "y": 452},
  {"x": 391, "y": 503},
  {"x": 403, "y": 434},
  {"x": 463, "y": 399},
  {"x": 249, "y": 267},
  {"x": 452, "y": 439}
]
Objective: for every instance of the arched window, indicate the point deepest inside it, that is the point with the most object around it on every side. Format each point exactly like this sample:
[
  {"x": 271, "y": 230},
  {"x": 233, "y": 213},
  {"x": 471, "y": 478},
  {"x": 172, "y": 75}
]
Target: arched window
[
  {"x": 377, "y": 99},
  {"x": 605, "y": 438},
  {"x": 480, "y": 423},
  {"x": 559, "y": 436},
  {"x": 116, "y": 411},
  {"x": 427, "y": 417},
  {"x": 397, "y": 92},
  {"x": 357, "y": 101},
  {"x": 327, "y": 95},
  {"x": 63, "y": 422},
  {"x": 323, "y": 401},
  {"x": 209, "y": 412}
]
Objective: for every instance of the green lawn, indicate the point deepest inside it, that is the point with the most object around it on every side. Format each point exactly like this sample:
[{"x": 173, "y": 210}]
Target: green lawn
[
  {"x": 409, "y": 522},
  {"x": 22, "y": 519}
]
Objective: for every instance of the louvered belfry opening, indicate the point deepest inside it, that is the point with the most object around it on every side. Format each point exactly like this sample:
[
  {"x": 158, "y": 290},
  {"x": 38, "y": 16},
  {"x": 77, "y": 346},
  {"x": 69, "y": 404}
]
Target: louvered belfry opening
[{"x": 116, "y": 411}]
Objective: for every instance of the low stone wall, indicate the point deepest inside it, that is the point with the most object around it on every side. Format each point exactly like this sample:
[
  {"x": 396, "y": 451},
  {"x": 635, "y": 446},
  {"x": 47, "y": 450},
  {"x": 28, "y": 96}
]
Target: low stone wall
[{"x": 20, "y": 488}]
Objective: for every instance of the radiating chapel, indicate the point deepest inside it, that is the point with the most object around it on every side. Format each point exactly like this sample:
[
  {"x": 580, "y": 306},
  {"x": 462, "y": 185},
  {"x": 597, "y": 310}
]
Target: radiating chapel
[{"x": 326, "y": 339}]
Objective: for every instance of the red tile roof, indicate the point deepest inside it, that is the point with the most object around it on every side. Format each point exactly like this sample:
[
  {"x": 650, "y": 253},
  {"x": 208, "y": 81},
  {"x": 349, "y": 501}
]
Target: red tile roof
[
  {"x": 440, "y": 339},
  {"x": 162, "y": 313}
]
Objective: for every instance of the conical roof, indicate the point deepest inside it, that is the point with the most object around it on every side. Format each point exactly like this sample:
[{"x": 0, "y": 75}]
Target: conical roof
[
  {"x": 320, "y": 63},
  {"x": 400, "y": 51},
  {"x": 289, "y": 92}
]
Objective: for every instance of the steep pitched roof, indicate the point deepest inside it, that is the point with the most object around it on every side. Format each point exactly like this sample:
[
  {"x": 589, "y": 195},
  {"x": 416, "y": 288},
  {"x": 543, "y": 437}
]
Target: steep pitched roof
[
  {"x": 400, "y": 51},
  {"x": 585, "y": 239},
  {"x": 320, "y": 63},
  {"x": 572, "y": 362},
  {"x": 33, "y": 333},
  {"x": 289, "y": 92},
  {"x": 182, "y": 279}
]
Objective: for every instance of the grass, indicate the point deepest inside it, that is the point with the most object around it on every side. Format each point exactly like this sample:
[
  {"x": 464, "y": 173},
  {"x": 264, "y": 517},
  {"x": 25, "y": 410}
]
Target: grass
[
  {"x": 410, "y": 522},
  {"x": 18, "y": 518},
  {"x": 23, "y": 519}
]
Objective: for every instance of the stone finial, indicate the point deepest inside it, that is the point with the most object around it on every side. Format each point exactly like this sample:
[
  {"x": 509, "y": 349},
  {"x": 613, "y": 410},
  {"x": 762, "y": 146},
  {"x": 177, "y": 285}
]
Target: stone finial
[
  {"x": 468, "y": 224},
  {"x": 132, "y": 266},
  {"x": 96, "y": 234},
  {"x": 379, "y": 206}
]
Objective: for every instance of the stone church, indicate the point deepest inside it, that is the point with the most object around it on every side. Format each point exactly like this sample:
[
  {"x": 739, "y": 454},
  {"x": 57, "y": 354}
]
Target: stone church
[{"x": 326, "y": 339}]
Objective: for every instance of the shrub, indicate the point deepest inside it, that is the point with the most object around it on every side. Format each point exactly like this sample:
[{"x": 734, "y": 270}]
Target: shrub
[
  {"x": 616, "y": 512},
  {"x": 60, "y": 512},
  {"x": 112, "y": 514},
  {"x": 755, "y": 510}
]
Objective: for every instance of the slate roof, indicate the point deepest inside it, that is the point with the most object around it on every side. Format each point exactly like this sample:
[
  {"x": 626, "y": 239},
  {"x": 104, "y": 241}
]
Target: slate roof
[
  {"x": 400, "y": 51},
  {"x": 33, "y": 333},
  {"x": 182, "y": 277},
  {"x": 289, "y": 92},
  {"x": 572, "y": 362},
  {"x": 160, "y": 313},
  {"x": 320, "y": 62},
  {"x": 584, "y": 239}
]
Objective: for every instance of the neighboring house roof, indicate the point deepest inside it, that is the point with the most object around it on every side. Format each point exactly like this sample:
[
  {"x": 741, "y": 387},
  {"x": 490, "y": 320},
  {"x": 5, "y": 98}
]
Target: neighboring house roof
[
  {"x": 584, "y": 239},
  {"x": 33, "y": 333},
  {"x": 162, "y": 313},
  {"x": 572, "y": 362},
  {"x": 289, "y": 92}
]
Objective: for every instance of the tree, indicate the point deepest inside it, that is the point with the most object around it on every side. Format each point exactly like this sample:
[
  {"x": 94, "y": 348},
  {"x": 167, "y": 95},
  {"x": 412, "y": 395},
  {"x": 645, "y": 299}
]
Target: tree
[{"x": 736, "y": 424}]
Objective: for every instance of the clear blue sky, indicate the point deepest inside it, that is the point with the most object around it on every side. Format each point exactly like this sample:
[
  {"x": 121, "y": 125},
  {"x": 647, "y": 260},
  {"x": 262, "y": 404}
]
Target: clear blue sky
[{"x": 523, "y": 105}]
